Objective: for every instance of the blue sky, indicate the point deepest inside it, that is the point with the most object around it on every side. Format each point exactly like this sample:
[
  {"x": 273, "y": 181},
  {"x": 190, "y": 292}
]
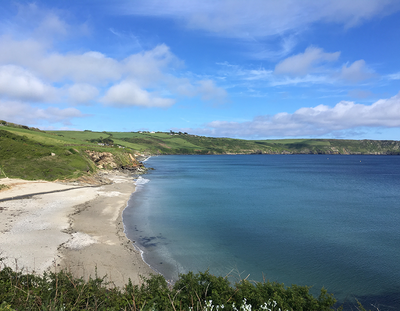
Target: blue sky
[{"x": 249, "y": 69}]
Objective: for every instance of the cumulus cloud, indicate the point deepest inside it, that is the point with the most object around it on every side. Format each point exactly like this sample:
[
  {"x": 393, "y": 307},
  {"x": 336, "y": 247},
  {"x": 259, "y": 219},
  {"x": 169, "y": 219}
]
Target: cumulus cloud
[
  {"x": 260, "y": 18},
  {"x": 82, "y": 93},
  {"x": 356, "y": 72},
  {"x": 205, "y": 89},
  {"x": 18, "y": 83},
  {"x": 312, "y": 121},
  {"x": 128, "y": 93},
  {"x": 24, "y": 52},
  {"x": 209, "y": 91},
  {"x": 22, "y": 113},
  {"x": 86, "y": 67},
  {"x": 36, "y": 69},
  {"x": 89, "y": 67},
  {"x": 51, "y": 25},
  {"x": 147, "y": 67},
  {"x": 40, "y": 73},
  {"x": 304, "y": 63}
]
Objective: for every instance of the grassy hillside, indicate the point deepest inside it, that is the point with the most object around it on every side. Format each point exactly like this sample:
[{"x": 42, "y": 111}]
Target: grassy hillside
[
  {"x": 182, "y": 143},
  {"x": 30, "y": 153}
]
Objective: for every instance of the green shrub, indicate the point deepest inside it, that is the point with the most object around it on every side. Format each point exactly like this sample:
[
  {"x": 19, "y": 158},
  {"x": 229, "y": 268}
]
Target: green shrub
[
  {"x": 195, "y": 289},
  {"x": 6, "y": 307},
  {"x": 201, "y": 291}
]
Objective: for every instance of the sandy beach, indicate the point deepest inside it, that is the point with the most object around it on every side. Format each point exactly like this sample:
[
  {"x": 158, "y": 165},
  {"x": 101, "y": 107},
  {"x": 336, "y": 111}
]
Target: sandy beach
[{"x": 64, "y": 226}]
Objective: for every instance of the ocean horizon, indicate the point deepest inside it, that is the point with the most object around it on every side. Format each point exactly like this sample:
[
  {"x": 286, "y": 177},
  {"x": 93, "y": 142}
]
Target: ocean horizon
[{"x": 329, "y": 221}]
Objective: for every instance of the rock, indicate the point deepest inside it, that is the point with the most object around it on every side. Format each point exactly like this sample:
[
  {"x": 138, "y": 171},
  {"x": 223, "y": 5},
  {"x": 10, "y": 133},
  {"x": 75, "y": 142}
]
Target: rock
[{"x": 103, "y": 160}]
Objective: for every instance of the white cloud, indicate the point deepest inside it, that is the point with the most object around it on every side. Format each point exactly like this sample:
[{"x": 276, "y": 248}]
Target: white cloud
[
  {"x": 273, "y": 49},
  {"x": 51, "y": 25},
  {"x": 39, "y": 70},
  {"x": 41, "y": 23},
  {"x": 260, "y": 18},
  {"x": 90, "y": 72},
  {"x": 89, "y": 67},
  {"x": 81, "y": 77},
  {"x": 258, "y": 74},
  {"x": 82, "y": 93},
  {"x": 307, "y": 80},
  {"x": 18, "y": 83},
  {"x": 356, "y": 72},
  {"x": 128, "y": 93},
  {"x": 205, "y": 89},
  {"x": 22, "y": 113},
  {"x": 147, "y": 67},
  {"x": 21, "y": 52},
  {"x": 314, "y": 121},
  {"x": 305, "y": 63},
  {"x": 394, "y": 76},
  {"x": 209, "y": 91},
  {"x": 310, "y": 67},
  {"x": 253, "y": 78}
]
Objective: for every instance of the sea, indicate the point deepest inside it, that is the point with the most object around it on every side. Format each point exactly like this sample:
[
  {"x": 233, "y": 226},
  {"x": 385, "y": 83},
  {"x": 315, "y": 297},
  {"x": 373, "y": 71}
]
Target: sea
[{"x": 329, "y": 221}]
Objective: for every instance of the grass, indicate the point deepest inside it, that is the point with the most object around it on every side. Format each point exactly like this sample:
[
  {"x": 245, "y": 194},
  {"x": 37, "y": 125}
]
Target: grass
[
  {"x": 182, "y": 143},
  {"x": 34, "y": 155},
  {"x": 26, "y": 152},
  {"x": 201, "y": 291},
  {"x": 23, "y": 157}
]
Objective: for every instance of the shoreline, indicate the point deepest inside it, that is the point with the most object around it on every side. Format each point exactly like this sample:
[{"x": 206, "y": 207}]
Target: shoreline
[
  {"x": 135, "y": 244},
  {"x": 68, "y": 227}
]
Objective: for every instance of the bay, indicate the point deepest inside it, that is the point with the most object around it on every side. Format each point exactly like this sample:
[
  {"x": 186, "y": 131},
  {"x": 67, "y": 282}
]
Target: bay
[{"x": 316, "y": 220}]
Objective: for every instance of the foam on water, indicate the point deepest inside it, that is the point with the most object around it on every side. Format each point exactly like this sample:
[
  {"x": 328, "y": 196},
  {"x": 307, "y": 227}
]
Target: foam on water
[
  {"x": 140, "y": 181},
  {"x": 145, "y": 160}
]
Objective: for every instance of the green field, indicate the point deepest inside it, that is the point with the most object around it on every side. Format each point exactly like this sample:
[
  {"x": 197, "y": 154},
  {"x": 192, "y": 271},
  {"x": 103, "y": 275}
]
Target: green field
[{"x": 30, "y": 153}]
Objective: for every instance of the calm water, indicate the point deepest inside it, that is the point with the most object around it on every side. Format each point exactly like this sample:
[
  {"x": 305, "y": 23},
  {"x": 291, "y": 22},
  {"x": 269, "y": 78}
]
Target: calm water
[{"x": 316, "y": 220}]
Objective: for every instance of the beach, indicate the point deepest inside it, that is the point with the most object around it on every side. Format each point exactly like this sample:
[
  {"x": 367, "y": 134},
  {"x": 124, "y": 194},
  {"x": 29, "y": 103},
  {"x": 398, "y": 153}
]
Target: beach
[{"x": 49, "y": 226}]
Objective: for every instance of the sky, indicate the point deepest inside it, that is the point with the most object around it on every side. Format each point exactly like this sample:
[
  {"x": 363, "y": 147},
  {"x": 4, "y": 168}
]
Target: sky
[{"x": 253, "y": 69}]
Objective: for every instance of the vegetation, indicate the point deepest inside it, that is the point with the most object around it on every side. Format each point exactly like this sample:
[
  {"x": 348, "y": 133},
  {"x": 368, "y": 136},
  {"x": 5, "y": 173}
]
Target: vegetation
[
  {"x": 24, "y": 158},
  {"x": 183, "y": 143},
  {"x": 30, "y": 153},
  {"x": 201, "y": 291},
  {"x": 3, "y": 187}
]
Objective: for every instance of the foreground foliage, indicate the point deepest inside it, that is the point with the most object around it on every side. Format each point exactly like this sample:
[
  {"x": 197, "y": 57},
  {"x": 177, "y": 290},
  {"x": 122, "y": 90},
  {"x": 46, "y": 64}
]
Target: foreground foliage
[{"x": 202, "y": 291}]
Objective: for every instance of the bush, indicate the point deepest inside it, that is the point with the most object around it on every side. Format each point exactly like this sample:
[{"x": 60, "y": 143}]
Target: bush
[{"x": 201, "y": 291}]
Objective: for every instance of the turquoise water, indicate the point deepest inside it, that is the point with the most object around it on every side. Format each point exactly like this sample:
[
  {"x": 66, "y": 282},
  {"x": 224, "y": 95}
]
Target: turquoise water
[{"x": 316, "y": 220}]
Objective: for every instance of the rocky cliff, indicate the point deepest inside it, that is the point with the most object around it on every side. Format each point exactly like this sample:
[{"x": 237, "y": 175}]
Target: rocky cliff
[{"x": 121, "y": 161}]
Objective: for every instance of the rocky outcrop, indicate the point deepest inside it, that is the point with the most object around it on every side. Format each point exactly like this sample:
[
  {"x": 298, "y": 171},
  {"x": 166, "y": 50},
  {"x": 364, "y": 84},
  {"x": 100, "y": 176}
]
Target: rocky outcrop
[
  {"x": 121, "y": 161},
  {"x": 103, "y": 160}
]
